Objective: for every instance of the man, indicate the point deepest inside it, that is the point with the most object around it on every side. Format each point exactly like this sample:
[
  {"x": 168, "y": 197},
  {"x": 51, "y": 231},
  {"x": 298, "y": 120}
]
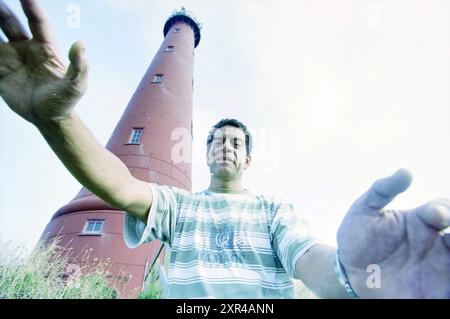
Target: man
[
  {"x": 233, "y": 233},
  {"x": 225, "y": 242}
]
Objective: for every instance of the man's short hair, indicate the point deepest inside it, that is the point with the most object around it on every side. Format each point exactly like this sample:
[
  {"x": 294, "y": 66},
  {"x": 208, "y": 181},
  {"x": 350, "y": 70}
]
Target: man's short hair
[{"x": 234, "y": 123}]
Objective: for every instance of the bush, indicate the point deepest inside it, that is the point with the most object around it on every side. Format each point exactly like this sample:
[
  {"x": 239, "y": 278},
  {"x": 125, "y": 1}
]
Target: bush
[{"x": 43, "y": 273}]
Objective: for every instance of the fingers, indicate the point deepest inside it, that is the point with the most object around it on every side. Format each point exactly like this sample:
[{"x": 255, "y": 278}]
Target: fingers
[
  {"x": 447, "y": 239},
  {"x": 38, "y": 21},
  {"x": 383, "y": 191},
  {"x": 436, "y": 214},
  {"x": 11, "y": 25},
  {"x": 78, "y": 68}
]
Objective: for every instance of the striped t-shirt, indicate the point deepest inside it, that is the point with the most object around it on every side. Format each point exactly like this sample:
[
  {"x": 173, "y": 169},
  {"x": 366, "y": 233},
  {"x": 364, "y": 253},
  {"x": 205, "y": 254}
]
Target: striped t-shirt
[{"x": 223, "y": 245}]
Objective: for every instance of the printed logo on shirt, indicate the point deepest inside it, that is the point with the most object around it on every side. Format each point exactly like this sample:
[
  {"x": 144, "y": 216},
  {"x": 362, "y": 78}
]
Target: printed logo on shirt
[{"x": 225, "y": 245}]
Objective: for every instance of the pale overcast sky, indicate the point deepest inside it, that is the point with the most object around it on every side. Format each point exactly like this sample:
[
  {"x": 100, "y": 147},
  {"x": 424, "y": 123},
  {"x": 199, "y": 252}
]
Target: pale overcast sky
[{"x": 337, "y": 94}]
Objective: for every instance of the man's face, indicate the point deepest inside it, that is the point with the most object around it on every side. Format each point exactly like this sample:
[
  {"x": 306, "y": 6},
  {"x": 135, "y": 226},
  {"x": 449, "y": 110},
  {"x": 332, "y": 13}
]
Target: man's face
[{"x": 227, "y": 156}]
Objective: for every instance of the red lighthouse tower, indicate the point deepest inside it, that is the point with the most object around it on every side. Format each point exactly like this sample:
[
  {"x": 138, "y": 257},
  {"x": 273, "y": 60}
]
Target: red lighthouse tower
[{"x": 153, "y": 139}]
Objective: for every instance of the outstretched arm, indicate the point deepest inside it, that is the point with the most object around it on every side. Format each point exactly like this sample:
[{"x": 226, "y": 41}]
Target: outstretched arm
[
  {"x": 95, "y": 167},
  {"x": 316, "y": 270},
  {"x": 406, "y": 252},
  {"x": 36, "y": 84}
]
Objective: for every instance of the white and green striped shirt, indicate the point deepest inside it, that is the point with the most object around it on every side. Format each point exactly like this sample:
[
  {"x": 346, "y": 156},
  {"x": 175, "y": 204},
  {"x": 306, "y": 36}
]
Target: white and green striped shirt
[{"x": 224, "y": 245}]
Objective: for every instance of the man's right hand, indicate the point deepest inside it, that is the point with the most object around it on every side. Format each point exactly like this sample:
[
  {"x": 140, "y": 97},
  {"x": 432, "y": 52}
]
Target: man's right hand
[{"x": 34, "y": 81}]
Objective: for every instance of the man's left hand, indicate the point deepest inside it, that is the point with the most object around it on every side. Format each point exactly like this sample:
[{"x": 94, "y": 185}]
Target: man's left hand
[{"x": 396, "y": 254}]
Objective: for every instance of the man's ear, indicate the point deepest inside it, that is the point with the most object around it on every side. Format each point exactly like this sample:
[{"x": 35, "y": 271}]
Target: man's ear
[{"x": 248, "y": 160}]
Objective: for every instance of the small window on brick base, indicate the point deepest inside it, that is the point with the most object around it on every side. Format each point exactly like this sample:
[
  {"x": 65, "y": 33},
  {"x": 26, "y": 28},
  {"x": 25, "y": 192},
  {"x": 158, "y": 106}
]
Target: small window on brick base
[{"x": 93, "y": 226}]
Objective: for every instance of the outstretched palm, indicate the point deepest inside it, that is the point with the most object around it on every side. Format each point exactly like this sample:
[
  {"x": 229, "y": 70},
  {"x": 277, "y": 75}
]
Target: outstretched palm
[
  {"x": 34, "y": 81},
  {"x": 407, "y": 248}
]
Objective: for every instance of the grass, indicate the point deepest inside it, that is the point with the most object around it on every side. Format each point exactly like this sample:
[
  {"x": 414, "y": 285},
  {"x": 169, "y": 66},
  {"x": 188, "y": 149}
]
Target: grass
[
  {"x": 153, "y": 288},
  {"x": 46, "y": 273}
]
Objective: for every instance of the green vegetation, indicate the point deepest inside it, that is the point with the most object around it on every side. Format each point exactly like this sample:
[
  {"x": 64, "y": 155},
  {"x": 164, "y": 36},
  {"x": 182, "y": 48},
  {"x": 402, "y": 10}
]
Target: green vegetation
[
  {"x": 46, "y": 273},
  {"x": 153, "y": 288}
]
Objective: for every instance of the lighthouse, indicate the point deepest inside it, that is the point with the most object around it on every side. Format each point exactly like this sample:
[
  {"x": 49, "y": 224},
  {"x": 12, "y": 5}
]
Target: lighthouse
[{"x": 153, "y": 139}]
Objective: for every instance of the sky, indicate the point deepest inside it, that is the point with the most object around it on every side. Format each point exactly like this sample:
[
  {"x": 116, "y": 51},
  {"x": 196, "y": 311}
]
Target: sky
[{"x": 336, "y": 93}]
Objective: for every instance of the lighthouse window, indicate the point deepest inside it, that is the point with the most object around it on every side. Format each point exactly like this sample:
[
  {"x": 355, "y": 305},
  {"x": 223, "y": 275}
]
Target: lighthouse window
[
  {"x": 158, "y": 78},
  {"x": 169, "y": 48},
  {"x": 136, "y": 135},
  {"x": 176, "y": 30},
  {"x": 93, "y": 226}
]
